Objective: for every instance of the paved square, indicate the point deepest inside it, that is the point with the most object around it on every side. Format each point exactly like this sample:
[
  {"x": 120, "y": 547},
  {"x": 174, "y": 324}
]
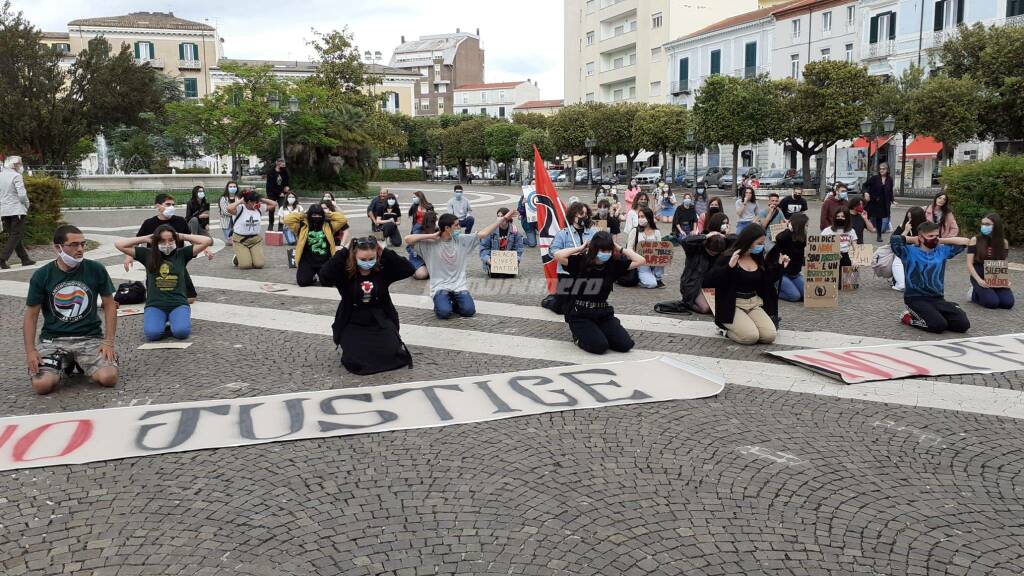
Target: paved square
[{"x": 785, "y": 472}]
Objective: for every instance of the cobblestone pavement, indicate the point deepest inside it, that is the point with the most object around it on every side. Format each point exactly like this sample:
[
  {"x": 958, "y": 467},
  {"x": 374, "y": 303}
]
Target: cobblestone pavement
[{"x": 751, "y": 482}]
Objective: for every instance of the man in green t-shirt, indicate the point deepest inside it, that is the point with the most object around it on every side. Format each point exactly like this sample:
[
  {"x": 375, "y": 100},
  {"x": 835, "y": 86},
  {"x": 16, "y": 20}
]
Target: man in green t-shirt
[{"x": 66, "y": 291}]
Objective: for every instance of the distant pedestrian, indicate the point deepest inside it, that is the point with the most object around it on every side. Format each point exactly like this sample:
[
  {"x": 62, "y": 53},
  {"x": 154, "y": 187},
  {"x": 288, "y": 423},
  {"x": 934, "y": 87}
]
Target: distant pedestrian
[
  {"x": 879, "y": 207},
  {"x": 278, "y": 184},
  {"x": 14, "y": 205}
]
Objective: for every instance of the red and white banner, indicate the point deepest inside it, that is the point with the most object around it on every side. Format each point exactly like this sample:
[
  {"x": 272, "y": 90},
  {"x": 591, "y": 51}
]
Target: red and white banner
[
  {"x": 981, "y": 355},
  {"x": 114, "y": 433},
  {"x": 550, "y": 218}
]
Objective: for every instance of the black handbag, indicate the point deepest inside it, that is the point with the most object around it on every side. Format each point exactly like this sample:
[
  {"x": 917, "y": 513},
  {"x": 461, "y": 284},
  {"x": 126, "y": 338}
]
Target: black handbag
[{"x": 130, "y": 293}]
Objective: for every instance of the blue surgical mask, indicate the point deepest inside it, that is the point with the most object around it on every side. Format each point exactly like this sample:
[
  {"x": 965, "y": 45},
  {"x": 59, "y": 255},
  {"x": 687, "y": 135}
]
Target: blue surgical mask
[
  {"x": 986, "y": 229},
  {"x": 757, "y": 249},
  {"x": 687, "y": 202},
  {"x": 458, "y": 195},
  {"x": 604, "y": 256},
  {"x": 391, "y": 202},
  {"x": 456, "y": 234},
  {"x": 367, "y": 264},
  {"x": 843, "y": 195}
]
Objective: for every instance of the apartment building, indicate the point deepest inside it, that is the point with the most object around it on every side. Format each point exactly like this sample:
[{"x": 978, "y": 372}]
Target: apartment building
[
  {"x": 182, "y": 49},
  {"x": 496, "y": 99},
  {"x": 443, "y": 61},
  {"x": 613, "y": 48},
  {"x": 396, "y": 84},
  {"x": 812, "y": 30}
]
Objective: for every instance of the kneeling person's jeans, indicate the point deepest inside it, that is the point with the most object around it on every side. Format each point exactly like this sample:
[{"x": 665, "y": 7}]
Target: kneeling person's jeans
[
  {"x": 467, "y": 224},
  {"x": 447, "y": 303},
  {"x": 155, "y": 320},
  {"x": 791, "y": 288}
]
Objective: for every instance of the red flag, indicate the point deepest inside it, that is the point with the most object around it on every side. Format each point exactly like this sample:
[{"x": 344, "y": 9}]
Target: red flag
[{"x": 550, "y": 218}]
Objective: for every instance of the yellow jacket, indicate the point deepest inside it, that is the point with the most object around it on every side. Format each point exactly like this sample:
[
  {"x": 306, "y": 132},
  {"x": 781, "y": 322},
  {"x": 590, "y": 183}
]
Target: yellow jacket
[{"x": 334, "y": 222}]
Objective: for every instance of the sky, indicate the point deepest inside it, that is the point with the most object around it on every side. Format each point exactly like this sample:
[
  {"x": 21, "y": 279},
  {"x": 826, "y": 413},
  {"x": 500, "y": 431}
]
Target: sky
[{"x": 521, "y": 39}]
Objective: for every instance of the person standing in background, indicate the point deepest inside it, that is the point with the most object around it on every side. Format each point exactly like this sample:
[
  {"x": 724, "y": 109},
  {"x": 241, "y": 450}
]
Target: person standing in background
[
  {"x": 881, "y": 200},
  {"x": 278, "y": 185},
  {"x": 14, "y": 206}
]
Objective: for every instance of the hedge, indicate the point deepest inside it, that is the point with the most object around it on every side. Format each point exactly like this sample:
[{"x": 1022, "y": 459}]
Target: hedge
[
  {"x": 979, "y": 188},
  {"x": 45, "y": 195},
  {"x": 399, "y": 175}
]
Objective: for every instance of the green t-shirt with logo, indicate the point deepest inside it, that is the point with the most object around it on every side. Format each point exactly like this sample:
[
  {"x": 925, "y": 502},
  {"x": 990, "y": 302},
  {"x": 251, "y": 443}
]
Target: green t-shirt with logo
[
  {"x": 69, "y": 300},
  {"x": 165, "y": 289}
]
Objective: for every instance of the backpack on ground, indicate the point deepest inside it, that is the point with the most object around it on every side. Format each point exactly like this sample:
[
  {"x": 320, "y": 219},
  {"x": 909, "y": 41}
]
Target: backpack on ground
[{"x": 130, "y": 293}]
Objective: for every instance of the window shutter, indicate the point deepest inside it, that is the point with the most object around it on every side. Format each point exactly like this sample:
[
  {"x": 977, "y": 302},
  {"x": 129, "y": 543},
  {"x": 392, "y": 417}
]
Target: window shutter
[
  {"x": 716, "y": 62},
  {"x": 960, "y": 11},
  {"x": 137, "y": 55},
  {"x": 874, "y": 30},
  {"x": 396, "y": 101},
  {"x": 181, "y": 51},
  {"x": 750, "y": 58},
  {"x": 892, "y": 25},
  {"x": 195, "y": 51},
  {"x": 684, "y": 71},
  {"x": 940, "y": 14}
]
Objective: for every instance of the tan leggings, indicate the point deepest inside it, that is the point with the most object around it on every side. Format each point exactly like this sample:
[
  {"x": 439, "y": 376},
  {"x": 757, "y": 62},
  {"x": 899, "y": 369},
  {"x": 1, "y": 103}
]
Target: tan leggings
[
  {"x": 751, "y": 324},
  {"x": 249, "y": 251}
]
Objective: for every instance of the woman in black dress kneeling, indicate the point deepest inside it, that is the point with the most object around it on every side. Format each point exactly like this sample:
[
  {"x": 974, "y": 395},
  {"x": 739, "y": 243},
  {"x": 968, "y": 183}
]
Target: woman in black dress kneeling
[
  {"x": 595, "y": 266},
  {"x": 366, "y": 323}
]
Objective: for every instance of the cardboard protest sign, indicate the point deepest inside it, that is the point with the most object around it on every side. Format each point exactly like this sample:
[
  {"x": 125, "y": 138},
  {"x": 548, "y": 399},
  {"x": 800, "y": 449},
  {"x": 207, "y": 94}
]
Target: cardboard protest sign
[
  {"x": 130, "y": 310},
  {"x": 981, "y": 355},
  {"x": 997, "y": 274},
  {"x": 850, "y": 278},
  {"x": 709, "y": 295},
  {"x": 775, "y": 229},
  {"x": 862, "y": 254},
  {"x": 132, "y": 431},
  {"x": 600, "y": 225},
  {"x": 656, "y": 253},
  {"x": 505, "y": 262},
  {"x": 821, "y": 272}
]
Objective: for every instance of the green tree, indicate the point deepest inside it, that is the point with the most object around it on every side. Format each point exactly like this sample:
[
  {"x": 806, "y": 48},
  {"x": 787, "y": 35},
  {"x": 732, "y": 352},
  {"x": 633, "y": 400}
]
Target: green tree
[
  {"x": 534, "y": 137},
  {"x": 614, "y": 128},
  {"x": 236, "y": 119},
  {"x": 892, "y": 99},
  {"x": 530, "y": 120},
  {"x": 569, "y": 130},
  {"x": 738, "y": 112},
  {"x": 826, "y": 106},
  {"x": 994, "y": 57},
  {"x": 502, "y": 139},
  {"x": 663, "y": 128},
  {"x": 466, "y": 142},
  {"x": 949, "y": 110}
]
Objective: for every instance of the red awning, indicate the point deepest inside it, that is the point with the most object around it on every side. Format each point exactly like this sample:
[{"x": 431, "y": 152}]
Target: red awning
[
  {"x": 924, "y": 147},
  {"x": 875, "y": 145}
]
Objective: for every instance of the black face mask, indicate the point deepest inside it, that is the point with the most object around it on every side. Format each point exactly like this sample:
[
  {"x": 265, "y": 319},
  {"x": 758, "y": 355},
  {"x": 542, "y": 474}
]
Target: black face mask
[
  {"x": 316, "y": 222},
  {"x": 584, "y": 222},
  {"x": 714, "y": 209}
]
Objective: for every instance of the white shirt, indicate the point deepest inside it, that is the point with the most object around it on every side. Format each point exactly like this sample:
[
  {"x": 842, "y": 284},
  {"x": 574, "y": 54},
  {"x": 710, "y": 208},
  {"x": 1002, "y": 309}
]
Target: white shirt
[
  {"x": 846, "y": 239},
  {"x": 247, "y": 222},
  {"x": 13, "y": 196}
]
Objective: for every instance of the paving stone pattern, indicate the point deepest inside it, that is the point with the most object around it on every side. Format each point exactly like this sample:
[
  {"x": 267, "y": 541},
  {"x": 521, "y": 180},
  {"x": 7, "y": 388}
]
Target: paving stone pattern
[{"x": 752, "y": 482}]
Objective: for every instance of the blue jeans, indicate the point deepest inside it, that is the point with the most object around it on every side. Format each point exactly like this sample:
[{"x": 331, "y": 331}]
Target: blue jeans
[
  {"x": 289, "y": 236},
  {"x": 447, "y": 303},
  {"x": 649, "y": 275},
  {"x": 741, "y": 225},
  {"x": 227, "y": 236},
  {"x": 992, "y": 297},
  {"x": 530, "y": 230},
  {"x": 467, "y": 223},
  {"x": 791, "y": 288},
  {"x": 154, "y": 321}
]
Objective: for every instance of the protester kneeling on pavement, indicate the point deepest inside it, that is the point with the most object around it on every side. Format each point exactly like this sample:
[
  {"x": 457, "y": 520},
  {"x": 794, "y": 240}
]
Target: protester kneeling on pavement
[
  {"x": 506, "y": 237},
  {"x": 67, "y": 291},
  {"x": 314, "y": 230}
]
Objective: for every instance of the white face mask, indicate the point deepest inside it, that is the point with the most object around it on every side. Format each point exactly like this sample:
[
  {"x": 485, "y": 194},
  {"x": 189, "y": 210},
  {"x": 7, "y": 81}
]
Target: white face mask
[
  {"x": 328, "y": 199},
  {"x": 168, "y": 211},
  {"x": 642, "y": 222},
  {"x": 69, "y": 260},
  {"x": 167, "y": 248},
  {"x": 200, "y": 194},
  {"x": 291, "y": 199},
  {"x": 391, "y": 202}
]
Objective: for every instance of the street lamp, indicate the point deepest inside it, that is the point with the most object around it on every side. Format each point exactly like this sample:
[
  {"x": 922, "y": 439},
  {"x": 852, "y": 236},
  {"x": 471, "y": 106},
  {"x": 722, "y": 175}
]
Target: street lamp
[
  {"x": 871, "y": 132},
  {"x": 275, "y": 103},
  {"x": 590, "y": 143},
  {"x": 373, "y": 58}
]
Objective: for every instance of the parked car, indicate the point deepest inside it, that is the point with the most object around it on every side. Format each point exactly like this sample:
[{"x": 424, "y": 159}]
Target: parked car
[
  {"x": 712, "y": 175},
  {"x": 772, "y": 179},
  {"x": 649, "y": 176},
  {"x": 797, "y": 180},
  {"x": 726, "y": 181},
  {"x": 554, "y": 174}
]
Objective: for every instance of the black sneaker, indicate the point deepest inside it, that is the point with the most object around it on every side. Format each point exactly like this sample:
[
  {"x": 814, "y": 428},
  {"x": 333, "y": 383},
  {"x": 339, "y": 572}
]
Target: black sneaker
[
  {"x": 27, "y": 262},
  {"x": 661, "y": 284},
  {"x": 4, "y": 265}
]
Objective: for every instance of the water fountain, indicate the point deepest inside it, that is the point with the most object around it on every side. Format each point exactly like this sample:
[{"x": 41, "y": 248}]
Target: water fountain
[{"x": 101, "y": 154}]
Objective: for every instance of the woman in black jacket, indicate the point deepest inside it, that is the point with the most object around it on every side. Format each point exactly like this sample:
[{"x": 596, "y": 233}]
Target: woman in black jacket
[
  {"x": 879, "y": 187},
  {"x": 746, "y": 297},
  {"x": 366, "y": 323},
  {"x": 197, "y": 212}
]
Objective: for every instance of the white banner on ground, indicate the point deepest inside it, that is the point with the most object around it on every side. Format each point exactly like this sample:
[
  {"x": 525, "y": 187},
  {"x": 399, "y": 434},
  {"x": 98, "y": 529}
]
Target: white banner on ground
[
  {"x": 128, "y": 432},
  {"x": 981, "y": 355}
]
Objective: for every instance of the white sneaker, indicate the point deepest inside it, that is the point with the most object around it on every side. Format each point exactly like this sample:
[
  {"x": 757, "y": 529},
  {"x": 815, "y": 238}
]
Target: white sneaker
[{"x": 970, "y": 294}]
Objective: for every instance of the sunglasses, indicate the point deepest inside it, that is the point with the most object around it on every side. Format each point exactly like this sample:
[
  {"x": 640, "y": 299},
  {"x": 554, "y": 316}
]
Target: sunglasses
[{"x": 364, "y": 243}]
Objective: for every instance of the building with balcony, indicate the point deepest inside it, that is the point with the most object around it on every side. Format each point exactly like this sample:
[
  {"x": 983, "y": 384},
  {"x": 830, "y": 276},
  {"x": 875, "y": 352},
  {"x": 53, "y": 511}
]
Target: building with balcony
[
  {"x": 740, "y": 46},
  {"x": 613, "y": 48},
  {"x": 496, "y": 99},
  {"x": 813, "y": 30},
  {"x": 443, "y": 61},
  {"x": 182, "y": 49},
  {"x": 542, "y": 107},
  {"x": 397, "y": 85}
]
